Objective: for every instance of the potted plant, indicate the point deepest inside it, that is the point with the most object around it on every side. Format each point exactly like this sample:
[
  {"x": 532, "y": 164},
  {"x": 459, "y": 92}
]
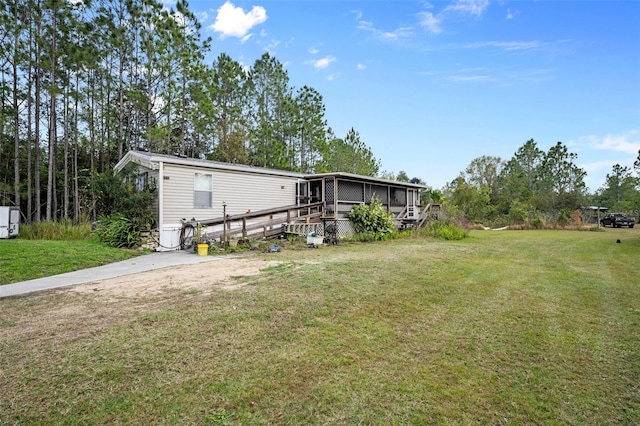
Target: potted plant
[{"x": 201, "y": 240}]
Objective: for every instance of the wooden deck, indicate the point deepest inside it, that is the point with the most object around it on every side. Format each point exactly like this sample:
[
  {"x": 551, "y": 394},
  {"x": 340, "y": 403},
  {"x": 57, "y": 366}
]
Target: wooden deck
[{"x": 430, "y": 212}]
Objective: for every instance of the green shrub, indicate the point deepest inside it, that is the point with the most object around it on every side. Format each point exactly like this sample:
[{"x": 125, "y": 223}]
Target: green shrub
[
  {"x": 117, "y": 230},
  {"x": 124, "y": 208},
  {"x": 518, "y": 213},
  {"x": 406, "y": 233},
  {"x": 445, "y": 230},
  {"x": 537, "y": 222},
  {"x": 117, "y": 194},
  {"x": 564, "y": 217},
  {"x": 372, "y": 221}
]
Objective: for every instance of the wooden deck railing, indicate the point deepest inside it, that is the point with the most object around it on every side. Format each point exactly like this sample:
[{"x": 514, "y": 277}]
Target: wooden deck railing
[
  {"x": 428, "y": 214},
  {"x": 269, "y": 221}
]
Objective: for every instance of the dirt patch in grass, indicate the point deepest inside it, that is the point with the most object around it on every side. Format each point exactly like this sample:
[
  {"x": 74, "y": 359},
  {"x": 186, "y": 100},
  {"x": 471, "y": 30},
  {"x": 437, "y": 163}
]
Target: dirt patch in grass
[
  {"x": 83, "y": 309},
  {"x": 204, "y": 277}
]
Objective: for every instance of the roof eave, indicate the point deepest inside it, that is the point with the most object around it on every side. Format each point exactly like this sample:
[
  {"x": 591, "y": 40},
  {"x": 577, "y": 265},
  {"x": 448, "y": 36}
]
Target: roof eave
[
  {"x": 367, "y": 178},
  {"x": 152, "y": 161}
]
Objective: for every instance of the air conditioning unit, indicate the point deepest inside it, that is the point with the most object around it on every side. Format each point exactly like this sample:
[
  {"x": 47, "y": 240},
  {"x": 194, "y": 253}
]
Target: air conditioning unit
[{"x": 9, "y": 221}]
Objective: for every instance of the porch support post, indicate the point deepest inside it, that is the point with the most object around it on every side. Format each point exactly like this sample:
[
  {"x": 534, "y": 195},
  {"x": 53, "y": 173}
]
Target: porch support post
[{"x": 336, "y": 203}]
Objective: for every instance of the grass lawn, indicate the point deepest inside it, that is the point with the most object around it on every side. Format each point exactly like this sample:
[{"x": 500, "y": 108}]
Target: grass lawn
[
  {"x": 22, "y": 260},
  {"x": 505, "y": 327}
]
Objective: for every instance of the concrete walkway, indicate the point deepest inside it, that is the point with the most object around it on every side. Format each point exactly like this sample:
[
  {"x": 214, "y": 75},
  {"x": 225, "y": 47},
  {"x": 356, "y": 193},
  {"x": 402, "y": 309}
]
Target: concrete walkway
[{"x": 134, "y": 265}]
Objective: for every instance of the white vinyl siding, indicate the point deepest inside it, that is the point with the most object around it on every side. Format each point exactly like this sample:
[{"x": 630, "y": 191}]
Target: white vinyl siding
[
  {"x": 241, "y": 191},
  {"x": 244, "y": 191}
]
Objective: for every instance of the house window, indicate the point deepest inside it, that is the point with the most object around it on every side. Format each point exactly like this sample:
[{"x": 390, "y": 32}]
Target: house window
[
  {"x": 141, "y": 181},
  {"x": 202, "y": 191},
  {"x": 398, "y": 196}
]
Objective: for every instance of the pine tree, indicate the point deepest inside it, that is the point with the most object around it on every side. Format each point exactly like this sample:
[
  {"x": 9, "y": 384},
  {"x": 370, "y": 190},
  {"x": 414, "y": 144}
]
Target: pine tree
[
  {"x": 227, "y": 90},
  {"x": 349, "y": 155},
  {"x": 269, "y": 91},
  {"x": 311, "y": 128}
]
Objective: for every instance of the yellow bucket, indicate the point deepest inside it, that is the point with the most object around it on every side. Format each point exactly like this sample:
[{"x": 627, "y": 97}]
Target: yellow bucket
[{"x": 203, "y": 249}]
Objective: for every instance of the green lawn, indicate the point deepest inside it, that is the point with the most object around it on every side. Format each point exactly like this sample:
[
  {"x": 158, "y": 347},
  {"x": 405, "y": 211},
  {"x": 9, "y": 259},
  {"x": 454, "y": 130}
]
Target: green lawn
[
  {"x": 22, "y": 260},
  {"x": 505, "y": 327}
]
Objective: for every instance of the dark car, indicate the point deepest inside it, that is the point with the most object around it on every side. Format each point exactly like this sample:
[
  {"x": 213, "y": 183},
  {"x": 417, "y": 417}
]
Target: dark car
[{"x": 618, "y": 220}]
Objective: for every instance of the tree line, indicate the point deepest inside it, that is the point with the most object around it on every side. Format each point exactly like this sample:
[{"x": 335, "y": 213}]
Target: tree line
[
  {"x": 83, "y": 82},
  {"x": 536, "y": 187}
]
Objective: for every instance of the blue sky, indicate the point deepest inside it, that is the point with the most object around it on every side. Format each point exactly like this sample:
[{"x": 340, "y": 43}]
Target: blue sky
[{"x": 432, "y": 85}]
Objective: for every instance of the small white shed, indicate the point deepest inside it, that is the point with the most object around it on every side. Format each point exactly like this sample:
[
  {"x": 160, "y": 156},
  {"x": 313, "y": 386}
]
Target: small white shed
[{"x": 9, "y": 221}]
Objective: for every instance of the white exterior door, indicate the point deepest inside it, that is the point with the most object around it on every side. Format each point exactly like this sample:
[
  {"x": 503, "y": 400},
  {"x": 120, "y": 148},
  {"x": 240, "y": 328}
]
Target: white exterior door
[{"x": 411, "y": 204}]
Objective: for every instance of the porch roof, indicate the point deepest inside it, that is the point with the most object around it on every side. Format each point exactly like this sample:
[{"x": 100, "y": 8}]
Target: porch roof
[{"x": 369, "y": 179}]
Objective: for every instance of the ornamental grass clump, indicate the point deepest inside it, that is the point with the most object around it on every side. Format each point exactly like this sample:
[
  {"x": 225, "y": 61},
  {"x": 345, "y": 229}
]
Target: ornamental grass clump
[{"x": 62, "y": 230}]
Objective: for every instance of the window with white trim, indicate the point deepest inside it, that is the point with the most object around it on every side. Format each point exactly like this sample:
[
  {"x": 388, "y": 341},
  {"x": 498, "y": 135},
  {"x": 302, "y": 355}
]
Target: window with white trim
[{"x": 202, "y": 191}]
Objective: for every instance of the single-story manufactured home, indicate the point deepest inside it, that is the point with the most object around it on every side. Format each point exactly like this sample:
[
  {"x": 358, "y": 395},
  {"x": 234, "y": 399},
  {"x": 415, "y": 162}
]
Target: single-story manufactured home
[{"x": 245, "y": 201}]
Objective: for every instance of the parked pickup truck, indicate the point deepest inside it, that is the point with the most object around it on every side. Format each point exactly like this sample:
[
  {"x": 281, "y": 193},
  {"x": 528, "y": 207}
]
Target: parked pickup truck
[{"x": 618, "y": 220}]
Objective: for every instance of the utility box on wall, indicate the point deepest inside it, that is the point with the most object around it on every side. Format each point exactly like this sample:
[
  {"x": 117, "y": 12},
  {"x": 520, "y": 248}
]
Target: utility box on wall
[{"x": 9, "y": 221}]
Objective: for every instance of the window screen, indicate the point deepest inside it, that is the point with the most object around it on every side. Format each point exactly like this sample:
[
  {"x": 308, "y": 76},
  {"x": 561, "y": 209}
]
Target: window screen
[
  {"x": 202, "y": 191},
  {"x": 142, "y": 181}
]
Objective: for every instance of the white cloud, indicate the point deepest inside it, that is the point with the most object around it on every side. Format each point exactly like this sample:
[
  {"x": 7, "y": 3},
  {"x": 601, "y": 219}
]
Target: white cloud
[
  {"x": 290, "y": 42},
  {"x": 498, "y": 76},
  {"x": 615, "y": 149},
  {"x": 471, "y": 7},
  {"x": 512, "y": 13},
  {"x": 470, "y": 78},
  {"x": 361, "y": 67},
  {"x": 628, "y": 143},
  {"x": 596, "y": 167},
  {"x": 433, "y": 22},
  {"x": 314, "y": 51},
  {"x": 201, "y": 16},
  {"x": 557, "y": 47},
  {"x": 398, "y": 33},
  {"x": 232, "y": 21},
  {"x": 430, "y": 22},
  {"x": 596, "y": 173},
  {"x": 323, "y": 62},
  {"x": 506, "y": 45},
  {"x": 272, "y": 45}
]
